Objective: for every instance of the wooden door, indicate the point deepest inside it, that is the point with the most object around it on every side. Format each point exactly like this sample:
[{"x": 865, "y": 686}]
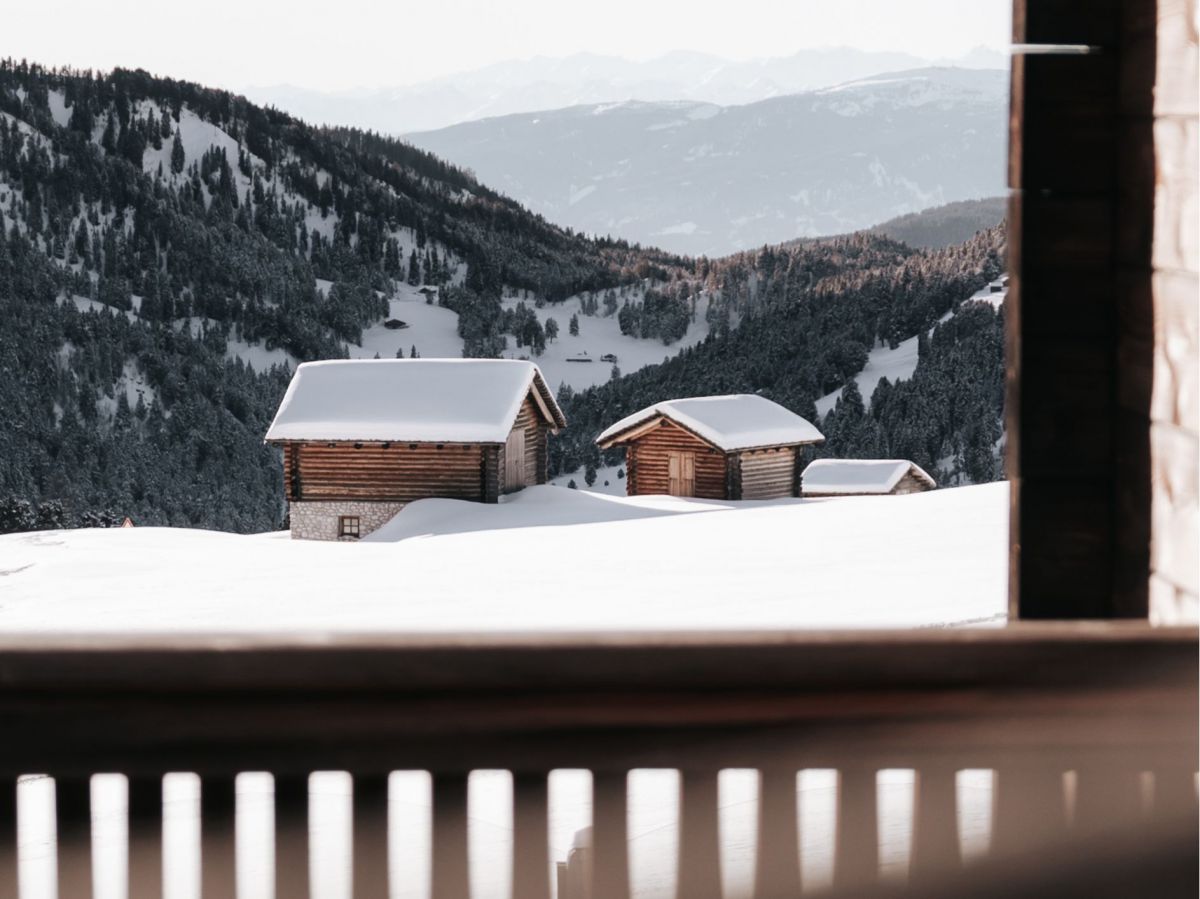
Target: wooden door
[
  {"x": 681, "y": 474},
  {"x": 514, "y": 461}
]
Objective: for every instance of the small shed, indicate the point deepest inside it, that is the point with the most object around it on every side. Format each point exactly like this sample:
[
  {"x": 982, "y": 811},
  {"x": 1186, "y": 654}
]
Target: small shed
[
  {"x": 864, "y": 477},
  {"x": 714, "y": 447},
  {"x": 363, "y": 438}
]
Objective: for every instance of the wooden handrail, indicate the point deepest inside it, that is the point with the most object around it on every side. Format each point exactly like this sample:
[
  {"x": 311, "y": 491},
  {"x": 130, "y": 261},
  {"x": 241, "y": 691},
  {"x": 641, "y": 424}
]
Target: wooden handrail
[
  {"x": 1111, "y": 701},
  {"x": 211, "y": 703}
]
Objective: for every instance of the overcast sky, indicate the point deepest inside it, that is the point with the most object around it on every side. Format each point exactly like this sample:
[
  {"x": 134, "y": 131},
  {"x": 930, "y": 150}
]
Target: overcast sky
[{"x": 377, "y": 43}]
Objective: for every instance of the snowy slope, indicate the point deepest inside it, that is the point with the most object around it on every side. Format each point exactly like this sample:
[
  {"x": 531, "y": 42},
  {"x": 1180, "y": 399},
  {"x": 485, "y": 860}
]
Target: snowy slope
[
  {"x": 600, "y": 335},
  {"x": 433, "y": 331},
  {"x": 899, "y": 364}
]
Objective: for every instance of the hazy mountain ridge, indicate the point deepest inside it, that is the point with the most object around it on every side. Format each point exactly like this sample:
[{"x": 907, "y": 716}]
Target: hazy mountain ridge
[
  {"x": 581, "y": 79},
  {"x": 699, "y": 178}
]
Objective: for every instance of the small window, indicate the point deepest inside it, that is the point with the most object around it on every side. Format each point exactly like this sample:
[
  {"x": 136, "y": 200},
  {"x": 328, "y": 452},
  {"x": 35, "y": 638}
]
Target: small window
[{"x": 348, "y": 526}]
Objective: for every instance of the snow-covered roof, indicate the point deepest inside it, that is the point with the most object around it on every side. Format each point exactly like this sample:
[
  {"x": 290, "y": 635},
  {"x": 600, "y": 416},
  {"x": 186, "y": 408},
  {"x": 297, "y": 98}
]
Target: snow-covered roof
[
  {"x": 859, "y": 475},
  {"x": 735, "y": 422},
  {"x": 419, "y": 400}
]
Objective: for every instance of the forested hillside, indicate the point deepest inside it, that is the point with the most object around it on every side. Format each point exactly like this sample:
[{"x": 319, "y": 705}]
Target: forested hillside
[
  {"x": 945, "y": 225},
  {"x": 147, "y": 225},
  {"x": 156, "y": 237},
  {"x": 811, "y": 316}
]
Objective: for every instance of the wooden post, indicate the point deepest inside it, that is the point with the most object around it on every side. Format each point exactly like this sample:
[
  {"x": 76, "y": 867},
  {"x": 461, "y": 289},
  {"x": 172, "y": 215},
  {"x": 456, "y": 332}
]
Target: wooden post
[
  {"x": 8, "y": 838},
  {"x": 73, "y": 828},
  {"x": 371, "y": 874},
  {"x": 451, "y": 874},
  {"x": 531, "y": 838},
  {"x": 777, "y": 867},
  {"x": 145, "y": 837},
  {"x": 610, "y": 835},
  {"x": 935, "y": 850},
  {"x": 1028, "y": 809},
  {"x": 292, "y": 862},
  {"x": 1107, "y": 799},
  {"x": 856, "y": 853},
  {"x": 699, "y": 839},
  {"x": 218, "y": 844}
]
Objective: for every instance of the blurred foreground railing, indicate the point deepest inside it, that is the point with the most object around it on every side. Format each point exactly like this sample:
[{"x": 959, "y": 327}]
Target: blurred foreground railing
[{"x": 1091, "y": 730}]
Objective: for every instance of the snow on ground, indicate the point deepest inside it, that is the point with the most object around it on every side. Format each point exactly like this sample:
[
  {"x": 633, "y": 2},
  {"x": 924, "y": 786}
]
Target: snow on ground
[
  {"x": 58, "y": 107},
  {"x": 931, "y": 559},
  {"x": 257, "y": 356},
  {"x": 899, "y": 364},
  {"x": 86, "y": 304},
  {"x": 926, "y": 559},
  {"x": 133, "y": 383},
  {"x": 882, "y": 362},
  {"x": 607, "y": 481},
  {"x": 198, "y": 137},
  {"x": 432, "y": 329},
  {"x": 599, "y": 335}
]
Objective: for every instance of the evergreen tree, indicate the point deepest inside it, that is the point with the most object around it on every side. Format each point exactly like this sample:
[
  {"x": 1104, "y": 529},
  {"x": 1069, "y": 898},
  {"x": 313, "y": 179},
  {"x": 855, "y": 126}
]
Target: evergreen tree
[
  {"x": 573, "y": 327},
  {"x": 177, "y": 155},
  {"x": 108, "y": 140}
]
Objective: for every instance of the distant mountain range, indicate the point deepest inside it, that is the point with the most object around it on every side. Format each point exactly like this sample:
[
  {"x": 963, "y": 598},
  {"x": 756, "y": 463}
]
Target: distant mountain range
[
  {"x": 553, "y": 83},
  {"x": 701, "y": 178}
]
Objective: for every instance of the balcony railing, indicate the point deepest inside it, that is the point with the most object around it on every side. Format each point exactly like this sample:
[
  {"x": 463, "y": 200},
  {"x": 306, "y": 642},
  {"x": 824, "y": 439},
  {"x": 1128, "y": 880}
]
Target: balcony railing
[{"x": 1089, "y": 728}]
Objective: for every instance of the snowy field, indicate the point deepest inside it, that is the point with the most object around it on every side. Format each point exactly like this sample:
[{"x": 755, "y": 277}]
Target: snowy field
[
  {"x": 928, "y": 559},
  {"x": 924, "y": 560}
]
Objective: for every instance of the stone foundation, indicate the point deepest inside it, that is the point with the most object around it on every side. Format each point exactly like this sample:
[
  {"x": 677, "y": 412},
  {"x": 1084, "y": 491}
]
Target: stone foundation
[{"x": 319, "y": 520}]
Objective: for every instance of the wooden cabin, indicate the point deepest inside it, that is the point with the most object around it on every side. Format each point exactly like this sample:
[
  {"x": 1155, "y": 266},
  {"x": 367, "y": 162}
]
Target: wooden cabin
[
  {"x": 363, "y": 438},
  {"x": 713, "y": 447},
  {"x": 864, "y": 477}
]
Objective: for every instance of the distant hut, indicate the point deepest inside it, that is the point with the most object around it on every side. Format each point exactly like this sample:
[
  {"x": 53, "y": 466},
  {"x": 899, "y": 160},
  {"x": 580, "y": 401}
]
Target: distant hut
[
  {"x": 363, "y": 438},
  {"x": 864, "y": 477},
  {"x": 713, "y": 447}
]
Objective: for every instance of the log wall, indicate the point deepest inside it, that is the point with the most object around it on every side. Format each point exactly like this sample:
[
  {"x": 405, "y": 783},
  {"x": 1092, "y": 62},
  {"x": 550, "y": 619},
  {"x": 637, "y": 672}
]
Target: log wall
[
  {"x": 646, "y": 462},
  {"x": 767, "y": 473},
  {"x": 385, "y": 472},
  {"x": 537, "y": 432}
]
